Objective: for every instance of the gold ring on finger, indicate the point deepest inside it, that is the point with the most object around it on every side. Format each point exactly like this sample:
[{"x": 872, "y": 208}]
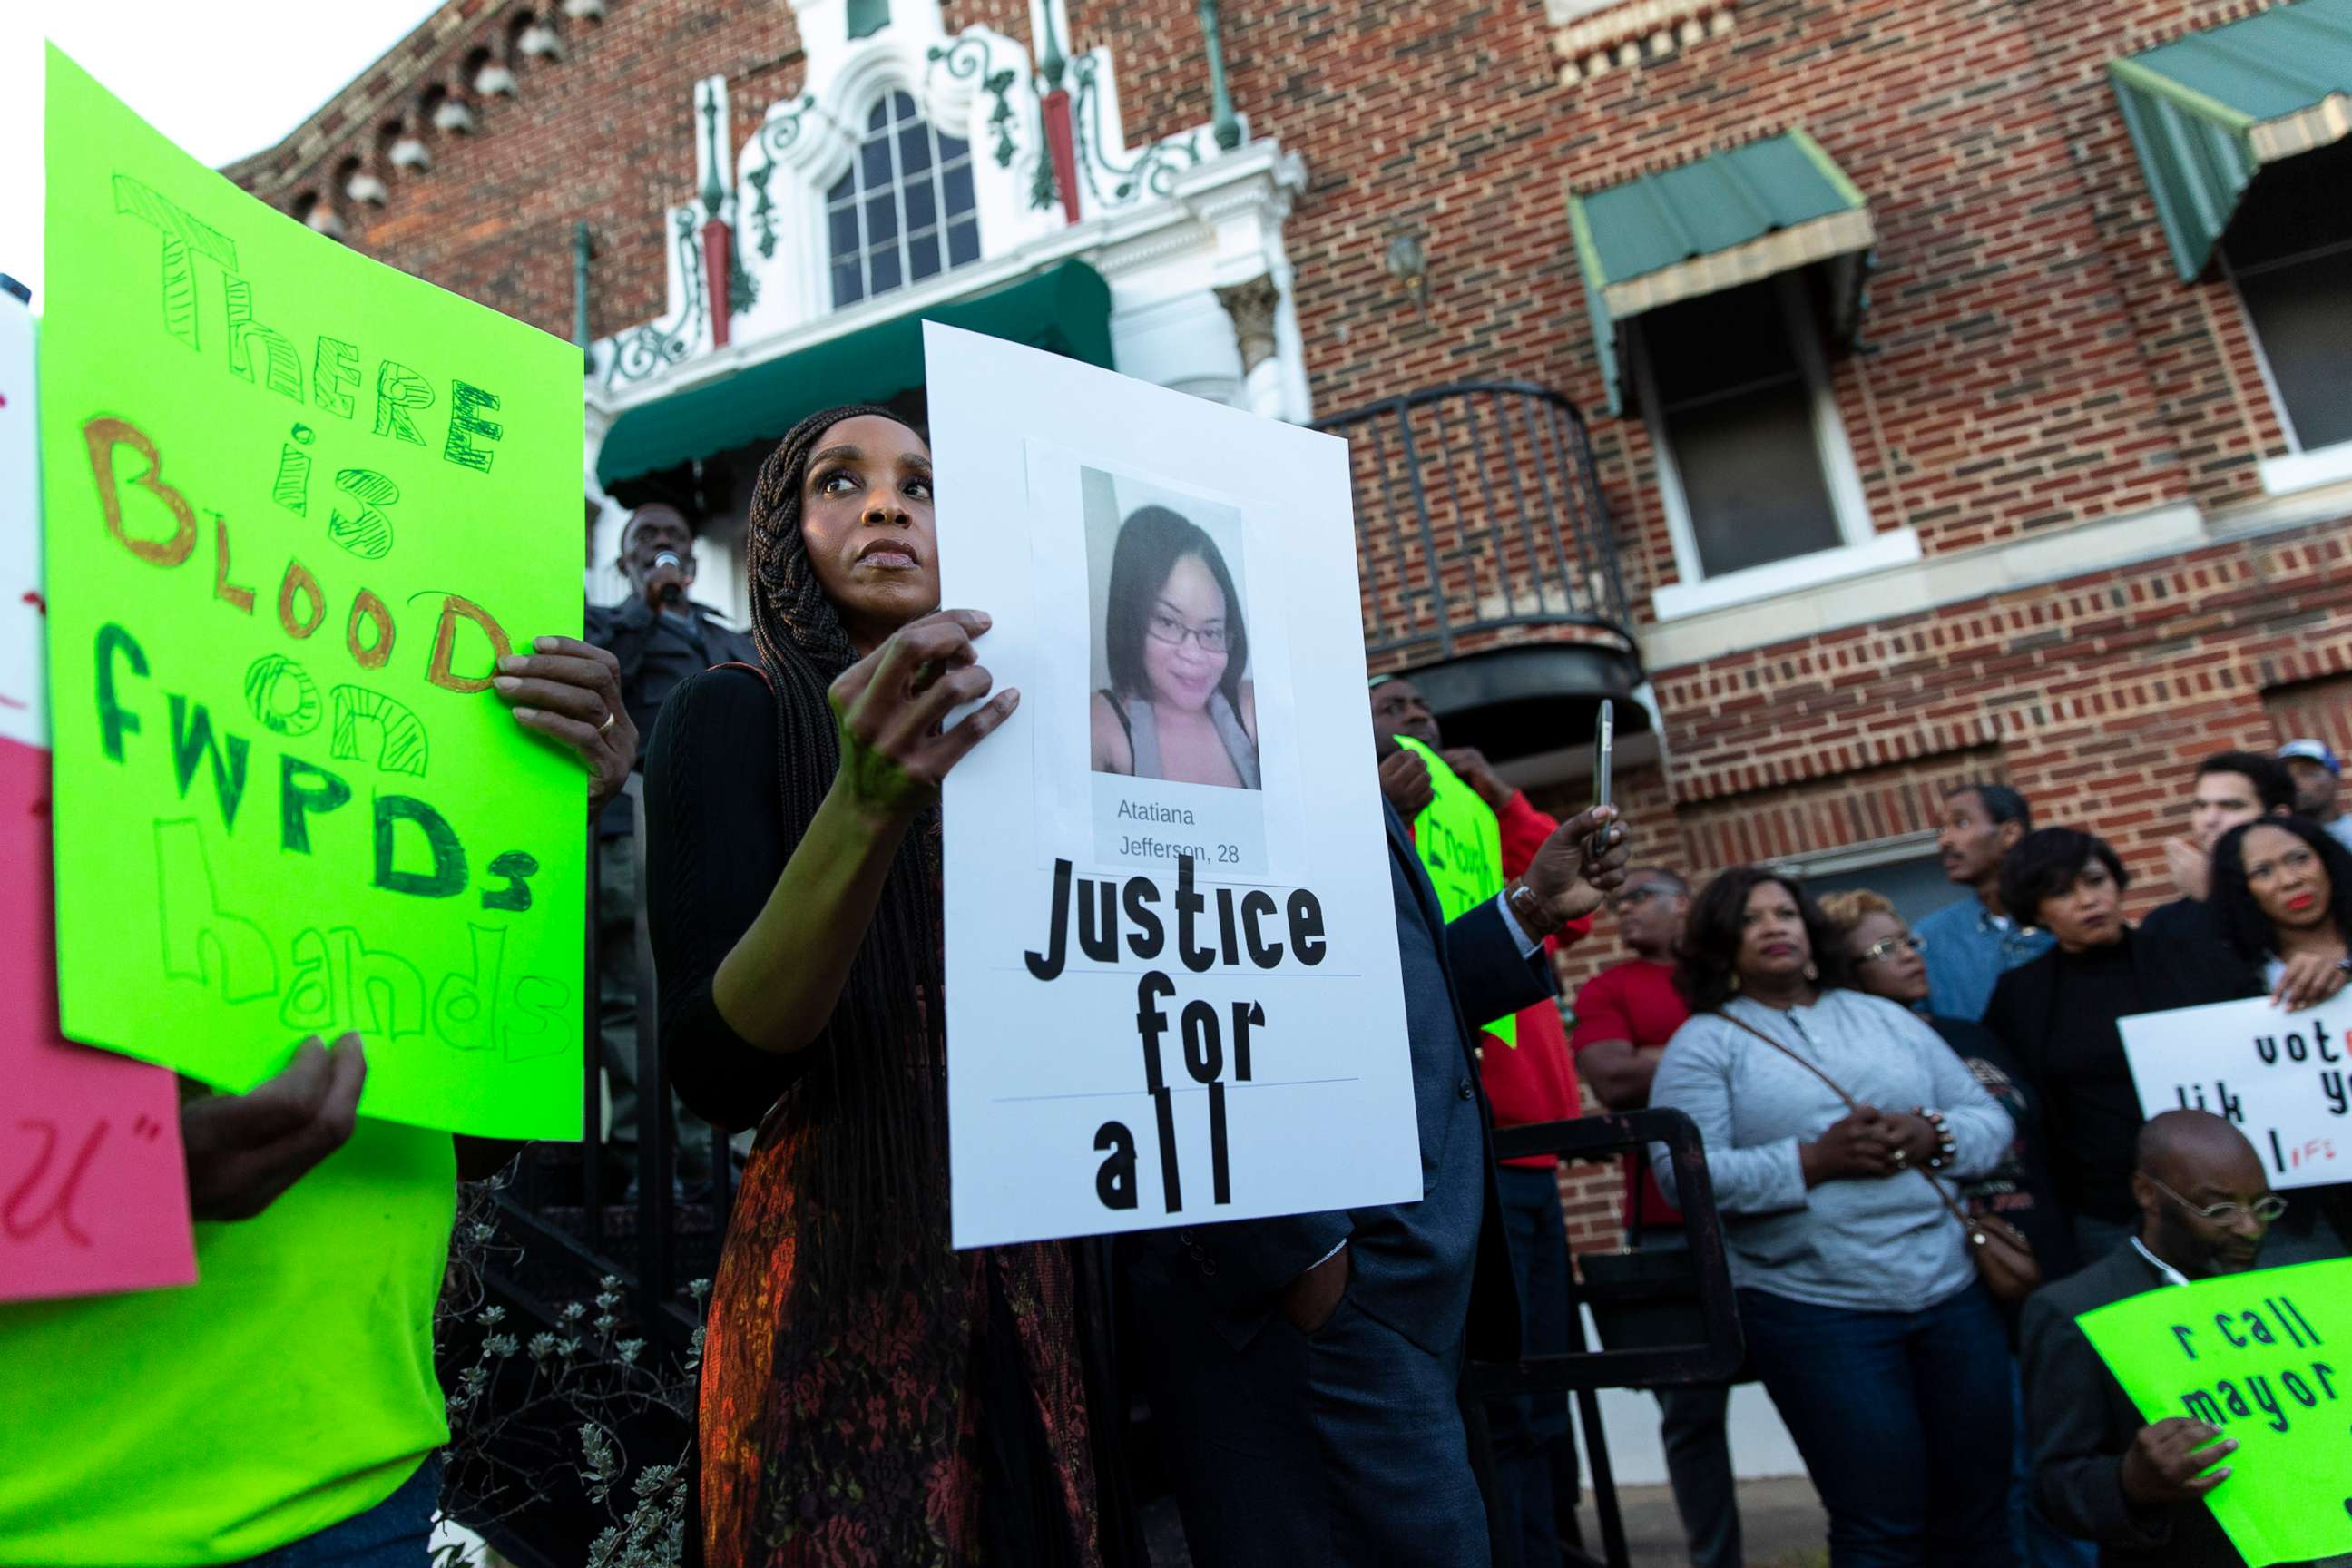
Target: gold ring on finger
[{"x": 611, "y": 719}]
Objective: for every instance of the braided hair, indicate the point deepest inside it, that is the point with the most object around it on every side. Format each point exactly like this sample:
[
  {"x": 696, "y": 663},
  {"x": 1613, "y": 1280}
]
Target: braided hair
[{"x": 871, "y": 1191}]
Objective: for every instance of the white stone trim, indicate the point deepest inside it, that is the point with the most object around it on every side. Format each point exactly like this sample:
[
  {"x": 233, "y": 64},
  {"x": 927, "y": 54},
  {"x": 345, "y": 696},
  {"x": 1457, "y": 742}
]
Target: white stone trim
[
  {"x": 1925, "y": 583},
  {"x": 1155, "y": 253},
  {"x": 1593, "y": 36},
  {"x": 1868, "y": 855},
  {"x": 2306, "y": 470},
  {"x": 1893, "y": 548}
]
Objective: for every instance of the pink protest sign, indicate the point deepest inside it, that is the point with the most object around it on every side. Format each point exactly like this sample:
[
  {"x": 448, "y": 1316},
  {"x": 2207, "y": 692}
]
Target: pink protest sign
[{"x": 93, "y": 1192}]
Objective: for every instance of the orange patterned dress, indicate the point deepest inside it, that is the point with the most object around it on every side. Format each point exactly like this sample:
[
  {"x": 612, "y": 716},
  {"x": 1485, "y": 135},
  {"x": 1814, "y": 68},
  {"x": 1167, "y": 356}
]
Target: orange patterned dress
[{"x": 870, "y": 1445}]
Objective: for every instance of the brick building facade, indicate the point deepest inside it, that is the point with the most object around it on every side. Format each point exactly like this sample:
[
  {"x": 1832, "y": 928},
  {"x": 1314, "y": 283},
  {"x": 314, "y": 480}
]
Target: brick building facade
[{"x": 2083, "y": 524}]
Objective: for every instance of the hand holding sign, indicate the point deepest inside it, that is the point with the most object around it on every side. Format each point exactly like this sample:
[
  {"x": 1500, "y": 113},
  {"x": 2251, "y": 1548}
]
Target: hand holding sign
[
  {"x": 570, "y": 691},
  {"x": 2306, "y": 980},
  {"x": 2257, "y": 1356},
  {"x": 244, "y": 1150},
  {"x": 890, "y": 704},
  {"x": 2172, "y": 1461},
  {"x": 1406, "y": 780},
  {"x": 1475, "y": 770}
]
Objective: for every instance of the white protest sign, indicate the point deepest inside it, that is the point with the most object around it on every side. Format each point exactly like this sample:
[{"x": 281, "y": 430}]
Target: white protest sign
[
  {"x": 2285, "y": 1079},
  {"x": 1172, "y": 989}
]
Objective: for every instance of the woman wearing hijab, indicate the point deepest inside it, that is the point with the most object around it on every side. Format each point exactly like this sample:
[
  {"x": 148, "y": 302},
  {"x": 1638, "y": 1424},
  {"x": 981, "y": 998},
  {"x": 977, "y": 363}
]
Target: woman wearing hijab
[
  {"x": 1177, "y": 706},
  {"x": 870, "y": 1396}
]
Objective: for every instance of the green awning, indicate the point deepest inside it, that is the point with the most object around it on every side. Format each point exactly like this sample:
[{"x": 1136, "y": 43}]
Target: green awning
[
  {"x": 2208, "y": 111},
  {"x": 1729, "y": 219},
  {"x": 1065, "y": 310}
]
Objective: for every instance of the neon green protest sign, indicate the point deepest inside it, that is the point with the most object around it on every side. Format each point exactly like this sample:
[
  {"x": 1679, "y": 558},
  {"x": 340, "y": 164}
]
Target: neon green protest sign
[
  {"x": 2266, "y": 1357},
  {"x": 1460, "y": 846},
  {"x": 295, "y": 504}
]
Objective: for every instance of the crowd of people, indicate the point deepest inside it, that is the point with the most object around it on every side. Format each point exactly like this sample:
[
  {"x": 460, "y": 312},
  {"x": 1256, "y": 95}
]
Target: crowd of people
[
  {"x": 1906, "y": 1132},
  {"x": 1832, "y": 1054}
]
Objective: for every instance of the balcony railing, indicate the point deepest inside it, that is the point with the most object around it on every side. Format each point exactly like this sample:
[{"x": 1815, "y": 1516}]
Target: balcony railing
[{"x": 1477, "y": 510}]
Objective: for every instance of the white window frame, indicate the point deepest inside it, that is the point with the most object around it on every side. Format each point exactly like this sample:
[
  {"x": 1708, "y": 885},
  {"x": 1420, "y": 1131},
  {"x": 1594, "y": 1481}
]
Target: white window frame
[
  {"x": 1900, "y": 850},
  {"x": 859, "y": 195},
  {"x": 2303, "y": 466},
  {"x": 1864, "y": 548}
]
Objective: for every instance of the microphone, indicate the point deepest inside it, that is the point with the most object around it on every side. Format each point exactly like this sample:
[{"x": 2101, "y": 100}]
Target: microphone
[{"x": 671, "y": 593}]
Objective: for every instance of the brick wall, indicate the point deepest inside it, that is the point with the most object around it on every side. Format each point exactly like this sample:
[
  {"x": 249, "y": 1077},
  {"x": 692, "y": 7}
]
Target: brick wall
[{"x": 2028, "y": 359}]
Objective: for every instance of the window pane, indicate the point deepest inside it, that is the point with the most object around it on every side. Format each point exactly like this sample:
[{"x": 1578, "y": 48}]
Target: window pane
[
  {"x": 879, "y": 118},
  {"x": 882, "y": 219},
  {"x": 874, "y": 161},
  {"x": 842, "y": 226},
  {"x": 1752, "y": 478},
  {"x": 2302, "y": 310},
  {"x": 915, "y": 148},
  {"x": 845, "y": 287},
  {"x": 902, "y": 106},
  {"x": 843, "y": 187},
  {"x": 957, "y": 178},
  {"x": 923, "y": 255},
  {"x": 953, "y": 148},
  {"x": 964, "y": 241},
  {"x": 886, "y": 271},
  {"x": 922, "y": 205}
]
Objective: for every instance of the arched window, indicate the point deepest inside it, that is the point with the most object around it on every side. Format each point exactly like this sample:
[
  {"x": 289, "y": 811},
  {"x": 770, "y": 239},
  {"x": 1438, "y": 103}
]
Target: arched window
[{"x": 904, "y": 211}]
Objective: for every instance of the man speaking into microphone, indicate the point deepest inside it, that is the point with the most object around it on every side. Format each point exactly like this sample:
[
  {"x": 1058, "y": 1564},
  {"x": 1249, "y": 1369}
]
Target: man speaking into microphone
[{"x": 660, "y": 637}]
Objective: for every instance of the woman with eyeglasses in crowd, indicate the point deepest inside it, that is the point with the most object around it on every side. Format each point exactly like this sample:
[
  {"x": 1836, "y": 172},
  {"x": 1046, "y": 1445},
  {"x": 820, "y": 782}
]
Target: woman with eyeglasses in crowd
[
  {"x": 1831, "y": 1119},
  {"x": 2275, "y": 898},
  {"x": 1178, "y": 706},
  {"x": 2058, "y": 1017},
  {"x": 1889, "y": 960}
]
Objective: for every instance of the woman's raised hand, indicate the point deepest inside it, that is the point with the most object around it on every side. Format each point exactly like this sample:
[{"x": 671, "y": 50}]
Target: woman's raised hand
[
  {"x": 2306, "y": 980},
  {"x": 890, "y": 705}
]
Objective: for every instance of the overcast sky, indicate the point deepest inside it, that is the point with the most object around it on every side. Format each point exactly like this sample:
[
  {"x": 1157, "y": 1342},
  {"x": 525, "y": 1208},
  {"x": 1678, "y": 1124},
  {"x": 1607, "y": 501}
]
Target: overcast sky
[{"x": 222, "y": 77}]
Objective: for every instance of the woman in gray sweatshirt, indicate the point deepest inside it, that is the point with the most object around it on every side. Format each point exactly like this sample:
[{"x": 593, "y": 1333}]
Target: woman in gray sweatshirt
[{"x": 1857, "y": 1292}]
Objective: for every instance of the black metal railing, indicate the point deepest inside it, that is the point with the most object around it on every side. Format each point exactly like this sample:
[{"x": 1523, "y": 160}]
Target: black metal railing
[
  {"x": 570, "y": 1218},
  {"x": 1711, "y": 1347},
  {"x": 1478, "y": 509}
]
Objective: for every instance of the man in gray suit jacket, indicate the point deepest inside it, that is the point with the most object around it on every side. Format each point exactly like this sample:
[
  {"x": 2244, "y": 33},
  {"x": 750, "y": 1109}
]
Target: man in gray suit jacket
[{"x": 1303, "y": 1372}]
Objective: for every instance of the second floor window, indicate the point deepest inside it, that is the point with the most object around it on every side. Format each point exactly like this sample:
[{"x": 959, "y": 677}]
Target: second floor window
[
  {"x": 1753, "y": 466},
  {"x": 905, "y": 210},
  {"x": 2289, "y": 251}
]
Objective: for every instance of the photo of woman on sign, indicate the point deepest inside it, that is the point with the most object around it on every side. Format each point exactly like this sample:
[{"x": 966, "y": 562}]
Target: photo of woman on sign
[{"x": 1177, "y": 704}]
